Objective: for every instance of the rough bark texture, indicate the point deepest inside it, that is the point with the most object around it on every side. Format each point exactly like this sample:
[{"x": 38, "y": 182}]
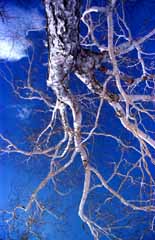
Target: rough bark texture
[
  {"x": 63, "y": 39},
  {"x": 65, "y": 53}
]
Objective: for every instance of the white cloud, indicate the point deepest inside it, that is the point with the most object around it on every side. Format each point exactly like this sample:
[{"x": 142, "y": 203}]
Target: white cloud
[
  {"x": 12, "y": 50},
  {"x": 14, "y": 29},
  {"x": 23, "y": 113}
]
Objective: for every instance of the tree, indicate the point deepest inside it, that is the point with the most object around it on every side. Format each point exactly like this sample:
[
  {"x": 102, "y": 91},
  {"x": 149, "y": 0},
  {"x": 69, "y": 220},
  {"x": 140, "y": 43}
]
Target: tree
[{"x": 113, "y": 72}]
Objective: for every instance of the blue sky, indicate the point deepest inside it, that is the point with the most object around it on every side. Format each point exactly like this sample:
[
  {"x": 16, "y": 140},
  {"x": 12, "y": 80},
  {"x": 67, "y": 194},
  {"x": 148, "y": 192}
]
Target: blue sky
[{"x": 22, "y": 34}]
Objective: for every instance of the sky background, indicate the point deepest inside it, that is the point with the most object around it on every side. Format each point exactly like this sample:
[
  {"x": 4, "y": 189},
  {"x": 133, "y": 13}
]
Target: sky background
[{"x": 23, "y": 38}]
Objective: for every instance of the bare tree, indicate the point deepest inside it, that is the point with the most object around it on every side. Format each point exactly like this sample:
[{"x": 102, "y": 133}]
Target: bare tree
[{"x": 115, "y": 76}]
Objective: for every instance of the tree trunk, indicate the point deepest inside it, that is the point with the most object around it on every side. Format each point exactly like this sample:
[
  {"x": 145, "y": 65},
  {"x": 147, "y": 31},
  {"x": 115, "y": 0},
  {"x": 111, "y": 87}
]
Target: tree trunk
[{"x": 63, "y": 40}]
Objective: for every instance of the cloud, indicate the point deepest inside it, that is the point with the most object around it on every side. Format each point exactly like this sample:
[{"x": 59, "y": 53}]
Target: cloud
[
  {"x": 23, "y": 113},
  {"x": 12, "y": 50},
  {"x": 14, "y": 29},
  {"x": 16, "y": 111}
]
